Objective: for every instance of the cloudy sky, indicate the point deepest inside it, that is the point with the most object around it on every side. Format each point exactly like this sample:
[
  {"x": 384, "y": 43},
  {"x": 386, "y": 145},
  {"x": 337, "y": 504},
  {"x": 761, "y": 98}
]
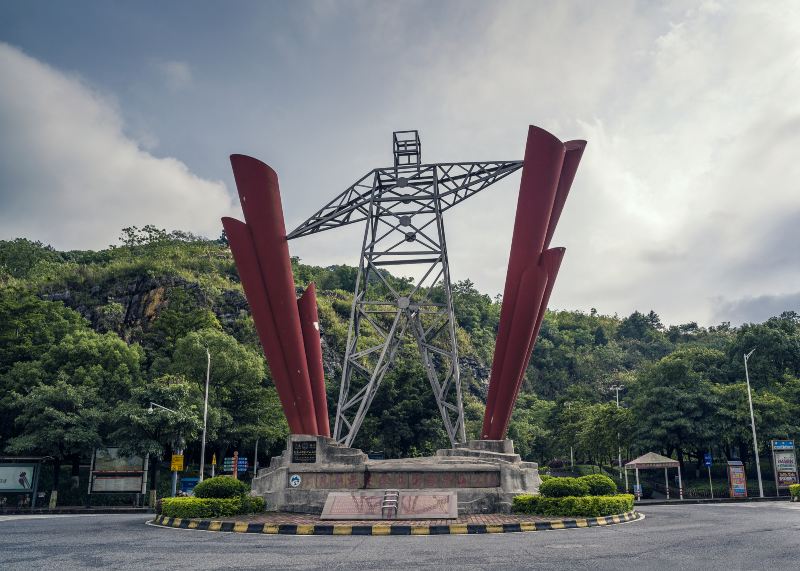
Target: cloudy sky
[{"x": 124, "y": 113}]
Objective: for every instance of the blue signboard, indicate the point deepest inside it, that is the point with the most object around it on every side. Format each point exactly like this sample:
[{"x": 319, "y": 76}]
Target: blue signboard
[
  {"x": 783, "y": 444},
  {"x": 243, "y": 464},
  {"x": 188, "y": 484},
  {"x": 707, "y": 459}
]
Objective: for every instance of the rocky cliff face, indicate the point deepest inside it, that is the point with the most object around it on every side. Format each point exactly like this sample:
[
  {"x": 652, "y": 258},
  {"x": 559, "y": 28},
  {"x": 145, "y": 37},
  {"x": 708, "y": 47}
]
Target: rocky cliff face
[{"x": 130, "y": 308}]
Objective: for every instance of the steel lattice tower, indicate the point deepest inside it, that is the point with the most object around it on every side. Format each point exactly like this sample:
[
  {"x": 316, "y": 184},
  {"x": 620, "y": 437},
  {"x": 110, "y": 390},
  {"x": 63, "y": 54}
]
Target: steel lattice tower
[{"x": 403, "y": 207}]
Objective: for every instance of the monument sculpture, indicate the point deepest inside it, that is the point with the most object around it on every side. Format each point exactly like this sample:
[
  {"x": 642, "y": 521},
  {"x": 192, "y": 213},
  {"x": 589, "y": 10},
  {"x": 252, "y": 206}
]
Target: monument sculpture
[{"x": 402, "y": 207}]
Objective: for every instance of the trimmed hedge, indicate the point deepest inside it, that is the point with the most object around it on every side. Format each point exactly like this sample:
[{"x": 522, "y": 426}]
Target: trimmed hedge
[
  {"x": 210, "y": 507},
  {"x": 563, "y": 487},
  {"x": 221, "y": 487},
  {"x": 794, "y": 491},
  {"x": 599, "y": 485},
  {"x": 583, "y": 506}
]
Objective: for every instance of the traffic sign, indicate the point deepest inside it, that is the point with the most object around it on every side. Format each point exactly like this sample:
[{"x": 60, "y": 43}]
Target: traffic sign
[
  {"x": 707, "y": 459},
  {"x": 176, "y": 465},
  {"x": 783, "y": 444},
  {"x": 242, "y": 464}
]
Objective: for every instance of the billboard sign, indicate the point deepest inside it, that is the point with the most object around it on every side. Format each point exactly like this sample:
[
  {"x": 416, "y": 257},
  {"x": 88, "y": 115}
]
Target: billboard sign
[
  {"x": 783, "y": 444},
  {"x": 110, "y": 460},
  {"x": 16, "y": 477},
  {"x": 785, "y": 462},
  {"x": 116, "y": 484},
  {"x": 737, "y": 480},
  {"x": 115, "y": 474}
]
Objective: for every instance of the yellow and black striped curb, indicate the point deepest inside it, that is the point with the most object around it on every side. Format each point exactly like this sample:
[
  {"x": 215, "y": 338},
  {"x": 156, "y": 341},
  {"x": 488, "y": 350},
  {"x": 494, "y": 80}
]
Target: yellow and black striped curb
[{"x": 384, "y": 529}]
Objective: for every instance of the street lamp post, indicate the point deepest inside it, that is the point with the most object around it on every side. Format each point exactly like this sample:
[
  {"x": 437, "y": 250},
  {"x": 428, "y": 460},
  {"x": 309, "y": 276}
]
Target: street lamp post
[
  {"x": 205, "y": 418},
  {"x": 571, "y": 455},
  {"x": 753, "y": 424},
  {"x": 178, "y": 446},
  {"x": 618, "y": 388}
]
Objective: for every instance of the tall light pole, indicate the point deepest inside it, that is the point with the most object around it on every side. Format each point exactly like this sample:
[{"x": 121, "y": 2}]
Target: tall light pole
[
  {"x": 618, "y": 388},
  {"x": 571, "y": 456},
  {"x": 753, "y": 424},
  {"x": 178, "y": 445},
  {"x": 205, "y": 418}
]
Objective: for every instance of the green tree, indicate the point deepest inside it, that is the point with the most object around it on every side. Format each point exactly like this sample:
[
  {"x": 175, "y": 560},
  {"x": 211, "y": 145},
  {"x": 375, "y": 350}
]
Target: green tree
[
  {"x": 60, "y": 420},
  {"x": 674, "y": 401},
  {"x": 239, "y": 389},
  {"x": 30, "y": 326},
  {"x": 138, "y": 431}
]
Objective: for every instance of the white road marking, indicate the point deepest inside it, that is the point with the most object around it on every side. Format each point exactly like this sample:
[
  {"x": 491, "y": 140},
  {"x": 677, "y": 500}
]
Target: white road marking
[{"x": 50, "y": 516}]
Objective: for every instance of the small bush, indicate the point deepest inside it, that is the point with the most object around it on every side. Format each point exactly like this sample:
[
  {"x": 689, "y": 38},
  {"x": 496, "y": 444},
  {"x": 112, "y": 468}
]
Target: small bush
[
  {"x": 252, "y": 504},
  {"x": 572, "y": 506},
  {"x": 546, "y": 477},
  {"x": 563, "y": 487},
  {"x": 599, "y": 485},
  {"x": 210, "y": 507},
  {"x": 221, "y": 487},
  {"x": 794, "y": 491},
  {"x": 556, "y": 464}
]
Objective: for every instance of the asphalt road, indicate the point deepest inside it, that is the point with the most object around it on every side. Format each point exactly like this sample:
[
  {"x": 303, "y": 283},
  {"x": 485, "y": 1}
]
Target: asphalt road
[{"x": 729, "y": 537}]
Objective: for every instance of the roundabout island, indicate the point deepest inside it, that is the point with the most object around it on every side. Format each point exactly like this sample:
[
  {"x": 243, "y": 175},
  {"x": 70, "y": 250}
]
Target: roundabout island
[{"x": 320, "y": 471}]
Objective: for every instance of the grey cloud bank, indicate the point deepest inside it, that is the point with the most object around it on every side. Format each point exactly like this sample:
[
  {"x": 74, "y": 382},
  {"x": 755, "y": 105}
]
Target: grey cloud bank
[{"x": 686, "y": 201}]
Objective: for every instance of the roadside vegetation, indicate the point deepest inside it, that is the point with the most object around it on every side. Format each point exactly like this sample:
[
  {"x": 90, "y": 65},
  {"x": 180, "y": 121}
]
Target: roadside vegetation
[{"x": 89, "y": 338}]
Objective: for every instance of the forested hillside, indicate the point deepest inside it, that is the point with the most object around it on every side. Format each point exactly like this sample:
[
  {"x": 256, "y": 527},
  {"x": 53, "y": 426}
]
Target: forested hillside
[{"x": 89, "y": 338}]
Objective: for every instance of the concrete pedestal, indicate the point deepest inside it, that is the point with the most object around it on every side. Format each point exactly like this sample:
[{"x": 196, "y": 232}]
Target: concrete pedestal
[{"x": 486, "y": 475}]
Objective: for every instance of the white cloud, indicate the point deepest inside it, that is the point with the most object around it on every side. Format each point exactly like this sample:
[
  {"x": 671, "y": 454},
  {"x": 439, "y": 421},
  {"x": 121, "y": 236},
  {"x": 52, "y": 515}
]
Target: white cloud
[
  {"x": 70, "y": 177},
  {"x": 691, "y": 113},
  {"x": 176, "y": 74}
]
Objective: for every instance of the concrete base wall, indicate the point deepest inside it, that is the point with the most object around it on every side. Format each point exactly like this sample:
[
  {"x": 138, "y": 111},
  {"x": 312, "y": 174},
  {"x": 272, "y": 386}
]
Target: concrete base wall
[{"x": 486, "y": 475}]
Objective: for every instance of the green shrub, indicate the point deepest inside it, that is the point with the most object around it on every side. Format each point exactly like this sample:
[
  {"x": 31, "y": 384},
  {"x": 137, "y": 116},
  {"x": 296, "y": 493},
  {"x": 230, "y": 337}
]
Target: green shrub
[
  {"x": 221, "y": 487},
  {"x": 546, "y": 477},
  {"x": 210, "y": 507},
  {"x": 573, "y": 506},
  {"x": 563, "y": 487},
  {"x": 599, "y": 485},
  {"x": 794, "y": 491},
  {"x": 252, "y": 504}
]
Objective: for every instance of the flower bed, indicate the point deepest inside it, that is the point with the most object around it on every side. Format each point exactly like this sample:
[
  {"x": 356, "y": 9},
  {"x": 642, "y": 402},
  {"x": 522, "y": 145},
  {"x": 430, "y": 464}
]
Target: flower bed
[
  {"x": 210, "y": 507},
  {"x": 574, "y": 506}
]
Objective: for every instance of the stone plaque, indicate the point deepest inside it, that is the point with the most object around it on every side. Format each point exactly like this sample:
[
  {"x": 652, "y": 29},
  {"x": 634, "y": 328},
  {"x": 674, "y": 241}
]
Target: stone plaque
[
  {"x": 421, "y": 505},
  {"x": 353, "y": 505},
  {"x": 357, "y": 505},
  {"x": 304, "y": 452}
]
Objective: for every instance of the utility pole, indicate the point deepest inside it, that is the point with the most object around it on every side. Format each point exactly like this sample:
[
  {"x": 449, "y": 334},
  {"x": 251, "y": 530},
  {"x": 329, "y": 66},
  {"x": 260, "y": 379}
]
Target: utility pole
[
  {"x": 571, "y": 456},
  {"x": 255, "y": 460},
  {"x": 618, "y": 388},
  {"x": 205, "y": 418},
  {"x": 177, "y": 448},
  {"x": 753, "y": 424}
]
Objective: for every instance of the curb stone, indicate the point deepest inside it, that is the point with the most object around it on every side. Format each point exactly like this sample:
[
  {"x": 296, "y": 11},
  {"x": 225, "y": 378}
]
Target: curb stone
[{"x": 384, "y": 529}]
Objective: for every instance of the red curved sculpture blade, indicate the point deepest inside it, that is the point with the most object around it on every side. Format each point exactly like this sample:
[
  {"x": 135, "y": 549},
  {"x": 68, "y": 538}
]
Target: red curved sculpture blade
[
  {"x": 572, "y": 158},
  {"x": 531, "y": 290},
  {"x": 309, "y": 323},
  {"x": 260, "y": 197},
  {"x": 541, "y": 170},
  {"x": 244, "y": 254},
  {"x": 550, "y": 262}
]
